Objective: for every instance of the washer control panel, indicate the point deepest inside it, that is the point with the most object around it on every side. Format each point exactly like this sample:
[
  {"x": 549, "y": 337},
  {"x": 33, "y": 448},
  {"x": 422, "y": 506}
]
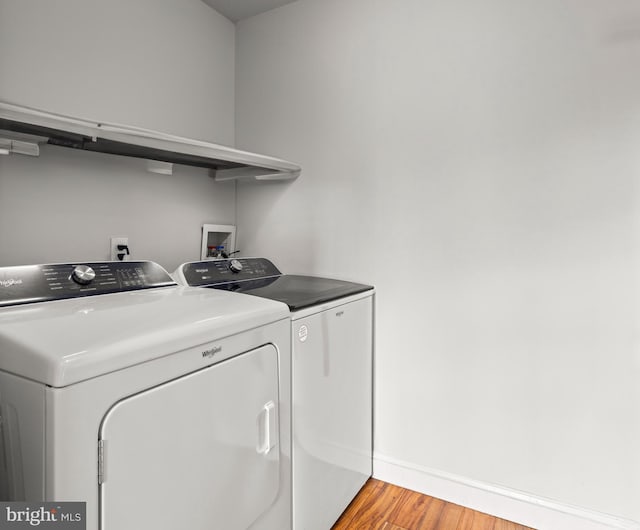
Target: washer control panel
[
  {"x": 214, "y": 272},
  {"x": 39, "y": 283}
]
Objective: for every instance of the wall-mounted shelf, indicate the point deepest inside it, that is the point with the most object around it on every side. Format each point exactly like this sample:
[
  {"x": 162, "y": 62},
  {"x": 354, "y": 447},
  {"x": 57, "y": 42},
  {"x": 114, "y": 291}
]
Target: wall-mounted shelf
[{"x": 21, "y": 125}]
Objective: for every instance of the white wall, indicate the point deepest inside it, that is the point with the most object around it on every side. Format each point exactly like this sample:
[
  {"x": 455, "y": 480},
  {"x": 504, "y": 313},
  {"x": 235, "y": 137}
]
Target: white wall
[
  {"x": 478, "y": 162},
  {"x": 161, "y": 64},
  {"x": 65, "y": 205}
]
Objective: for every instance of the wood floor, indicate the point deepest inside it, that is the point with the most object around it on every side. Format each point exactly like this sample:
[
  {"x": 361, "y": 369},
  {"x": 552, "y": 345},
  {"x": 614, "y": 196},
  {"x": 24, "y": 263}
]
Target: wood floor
[{"x": 382, "y": 506}]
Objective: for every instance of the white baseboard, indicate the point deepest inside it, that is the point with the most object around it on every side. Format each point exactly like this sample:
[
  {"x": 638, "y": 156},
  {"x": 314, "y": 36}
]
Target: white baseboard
[{"x": 528, "y": 510}]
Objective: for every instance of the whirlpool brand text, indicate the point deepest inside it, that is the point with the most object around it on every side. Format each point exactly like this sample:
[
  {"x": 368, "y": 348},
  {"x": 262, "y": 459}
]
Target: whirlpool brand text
[
  {"x": 10, "y": 282},
  {"x": 211, "y": 351}
]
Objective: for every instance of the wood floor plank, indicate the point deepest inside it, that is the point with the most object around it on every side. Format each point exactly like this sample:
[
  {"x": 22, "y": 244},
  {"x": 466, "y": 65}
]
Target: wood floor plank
[
  {"x": 370, "y": 488},
  {"x": 418, "y": 512},
  {"x": 431, "y": 519},
  {"x": 503, "y": 524},
  {"x": 468, "y": 521},
  {"x": 383, "y": 506},
  {"x": 375, "y": 509},
  {"x": 411, "y": 509},
  {"x": 451, "y": 515},
  {"x": 389, "y": 526}
]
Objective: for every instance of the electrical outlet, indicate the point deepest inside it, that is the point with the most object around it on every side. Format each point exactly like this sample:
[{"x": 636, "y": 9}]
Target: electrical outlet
[{"x": 120, "y": 248}]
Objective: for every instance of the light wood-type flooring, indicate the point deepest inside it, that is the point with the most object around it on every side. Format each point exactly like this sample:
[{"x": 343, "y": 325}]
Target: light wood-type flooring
[{"x": 383, "y": 506}]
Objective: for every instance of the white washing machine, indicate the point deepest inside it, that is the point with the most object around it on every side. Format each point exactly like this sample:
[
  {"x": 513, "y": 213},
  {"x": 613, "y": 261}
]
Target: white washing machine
[
  {"x": 332, "y": 357},
  {"x": 161, "y": 407}
]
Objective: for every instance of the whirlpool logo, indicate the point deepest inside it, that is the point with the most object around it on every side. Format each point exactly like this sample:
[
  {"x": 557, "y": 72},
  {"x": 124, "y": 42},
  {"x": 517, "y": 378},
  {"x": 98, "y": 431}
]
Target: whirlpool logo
[
  {"x": 44, "y": 515},
  {"x": 207, "y": 354},
  {"x": 10, "y": 282}
]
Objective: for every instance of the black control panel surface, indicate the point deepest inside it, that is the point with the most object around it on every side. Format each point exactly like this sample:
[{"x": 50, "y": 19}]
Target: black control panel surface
[
  {"x": 216, "y": 272},
  {"x": 26, "y": 284}
]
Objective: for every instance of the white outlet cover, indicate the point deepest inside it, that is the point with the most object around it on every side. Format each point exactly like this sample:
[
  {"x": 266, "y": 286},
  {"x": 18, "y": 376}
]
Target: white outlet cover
[{"x": 119, "y": 240}]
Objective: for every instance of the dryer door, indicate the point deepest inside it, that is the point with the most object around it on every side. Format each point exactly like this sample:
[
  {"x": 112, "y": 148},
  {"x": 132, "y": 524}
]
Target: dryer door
[{"x": 198, "y": 452}]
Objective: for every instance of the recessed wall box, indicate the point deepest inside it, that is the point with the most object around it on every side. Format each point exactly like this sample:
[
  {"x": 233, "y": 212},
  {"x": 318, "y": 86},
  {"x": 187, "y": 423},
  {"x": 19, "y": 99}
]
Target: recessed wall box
[{"x": 216, "y": 236}]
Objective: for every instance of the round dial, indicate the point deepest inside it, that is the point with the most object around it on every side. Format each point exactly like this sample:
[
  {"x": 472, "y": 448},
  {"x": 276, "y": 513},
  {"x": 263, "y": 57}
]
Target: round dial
[
  {"x": 83, "y": 274},
  {"x": 235, "y": 265}
]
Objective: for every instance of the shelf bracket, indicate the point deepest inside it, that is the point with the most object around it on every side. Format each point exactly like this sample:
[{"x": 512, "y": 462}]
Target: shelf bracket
[{"x": 257, "y": 173}]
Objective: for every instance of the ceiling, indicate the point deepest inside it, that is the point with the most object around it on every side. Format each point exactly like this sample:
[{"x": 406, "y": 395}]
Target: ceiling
[{"x": 238, "y": 9}]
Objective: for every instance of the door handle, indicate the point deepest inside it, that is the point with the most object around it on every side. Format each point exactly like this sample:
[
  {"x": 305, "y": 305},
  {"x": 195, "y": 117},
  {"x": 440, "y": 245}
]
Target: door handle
[{"x": 266, "y": 428}]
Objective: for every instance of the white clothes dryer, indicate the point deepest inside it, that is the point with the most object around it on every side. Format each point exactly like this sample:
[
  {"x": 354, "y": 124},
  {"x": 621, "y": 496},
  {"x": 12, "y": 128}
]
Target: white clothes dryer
[
  {"x": 161, "y": 407},
  {"x": 332, "y": 365}
]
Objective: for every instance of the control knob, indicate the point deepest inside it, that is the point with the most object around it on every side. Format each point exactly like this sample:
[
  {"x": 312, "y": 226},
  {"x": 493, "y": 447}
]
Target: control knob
[
  {"x": 83, "y": 274},
  {"x": 235, "y": 265}
]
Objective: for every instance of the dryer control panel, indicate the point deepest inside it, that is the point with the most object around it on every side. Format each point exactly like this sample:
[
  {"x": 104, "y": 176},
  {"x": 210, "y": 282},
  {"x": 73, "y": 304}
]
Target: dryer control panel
[{"x": 26, "y": 284}]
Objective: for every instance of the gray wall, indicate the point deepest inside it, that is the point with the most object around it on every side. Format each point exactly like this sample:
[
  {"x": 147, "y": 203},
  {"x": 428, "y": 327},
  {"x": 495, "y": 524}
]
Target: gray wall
[
  {"x": 160, "y": 64},
  {"x": 478, "y": 163}
]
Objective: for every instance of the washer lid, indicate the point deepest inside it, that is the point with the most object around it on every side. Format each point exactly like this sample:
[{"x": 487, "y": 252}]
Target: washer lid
[
  {"x": 298, "y": 292},
  {"x": 63, "y": 342},
  {"x": 260, "y": 277}
]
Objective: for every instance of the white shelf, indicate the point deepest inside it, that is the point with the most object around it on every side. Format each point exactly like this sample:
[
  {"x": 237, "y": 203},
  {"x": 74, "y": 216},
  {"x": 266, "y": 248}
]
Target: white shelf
[{"x": 224, "y": 163}]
